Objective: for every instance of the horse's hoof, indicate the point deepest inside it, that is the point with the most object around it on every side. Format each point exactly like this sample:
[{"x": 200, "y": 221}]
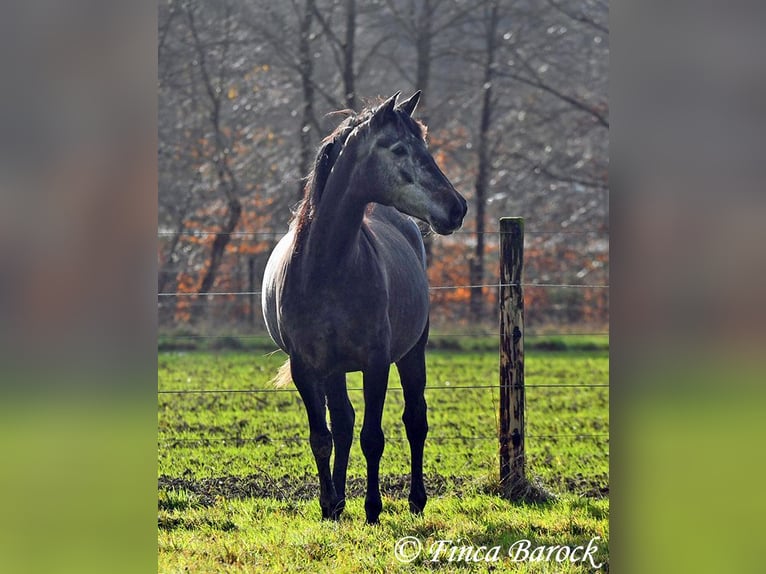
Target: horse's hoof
[
  {"x": 372, "y": 509},
  {"x": 417, "y": 504},
  {"x": 338, "y": 509},
  {"x": 415, "y": 508},
  {"x": 333, "y": 511}
]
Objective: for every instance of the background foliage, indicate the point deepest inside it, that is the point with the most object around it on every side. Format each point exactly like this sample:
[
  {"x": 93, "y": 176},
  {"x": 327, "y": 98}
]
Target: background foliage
[{"x": 515, "y": 97}]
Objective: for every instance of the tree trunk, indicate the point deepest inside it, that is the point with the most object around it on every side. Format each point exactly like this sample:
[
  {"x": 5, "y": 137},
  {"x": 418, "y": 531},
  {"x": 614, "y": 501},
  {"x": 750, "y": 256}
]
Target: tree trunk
[
  {"x": 348, "y": 56},
  {"x": 306, "y": 72},
  {"x": 222, "y": 239},
  {"x": 484, "y": 167},
  {"x": 422, "y": 78},
  {"x": 227, "y": 180}
]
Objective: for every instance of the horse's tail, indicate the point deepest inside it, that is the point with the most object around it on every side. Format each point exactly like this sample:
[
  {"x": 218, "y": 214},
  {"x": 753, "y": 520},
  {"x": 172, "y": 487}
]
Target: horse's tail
[{"x": 283, "y": 377}]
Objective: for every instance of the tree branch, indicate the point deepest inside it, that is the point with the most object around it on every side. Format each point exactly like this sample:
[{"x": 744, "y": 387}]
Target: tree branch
[
  {"x": 536, "y": 82},
  {"x": 579, "y": 17}
]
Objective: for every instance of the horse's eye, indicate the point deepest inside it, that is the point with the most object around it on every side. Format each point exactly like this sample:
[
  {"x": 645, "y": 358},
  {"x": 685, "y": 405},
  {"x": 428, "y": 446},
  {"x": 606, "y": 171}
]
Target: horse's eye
[{"x": 399, "y": 149}]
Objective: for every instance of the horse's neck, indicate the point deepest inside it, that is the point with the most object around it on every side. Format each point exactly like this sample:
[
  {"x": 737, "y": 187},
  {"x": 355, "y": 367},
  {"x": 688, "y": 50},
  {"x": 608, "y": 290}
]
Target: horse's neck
[{"x": 335, "y": 227}]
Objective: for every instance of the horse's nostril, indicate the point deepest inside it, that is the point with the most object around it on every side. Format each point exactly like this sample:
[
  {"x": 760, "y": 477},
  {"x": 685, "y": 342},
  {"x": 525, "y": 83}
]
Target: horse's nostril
[{"x": 458, "y": 212}]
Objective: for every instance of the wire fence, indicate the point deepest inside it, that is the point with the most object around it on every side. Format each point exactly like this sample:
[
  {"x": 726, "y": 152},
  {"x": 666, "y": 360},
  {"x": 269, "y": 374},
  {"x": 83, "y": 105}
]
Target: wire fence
[
  {"x": 237, "y": 439},
  {"x": 234, "y": 298},
  {"x": 263, "y": 438},
  {"x": 473, "y": 335},
  {"x": 280, "y": 234},
  {"x": 432, "y": 288},
  {"x": 574, "y": 443},
  {"x": 390, "y": 389}
]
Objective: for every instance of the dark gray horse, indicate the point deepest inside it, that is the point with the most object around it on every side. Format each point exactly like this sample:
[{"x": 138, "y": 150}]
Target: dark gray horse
[{"x": 346, "y": 289}]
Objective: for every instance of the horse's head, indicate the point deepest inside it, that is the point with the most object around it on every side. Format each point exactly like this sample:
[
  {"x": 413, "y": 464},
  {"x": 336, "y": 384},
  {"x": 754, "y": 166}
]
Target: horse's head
[{"x": 401, "y": 171}]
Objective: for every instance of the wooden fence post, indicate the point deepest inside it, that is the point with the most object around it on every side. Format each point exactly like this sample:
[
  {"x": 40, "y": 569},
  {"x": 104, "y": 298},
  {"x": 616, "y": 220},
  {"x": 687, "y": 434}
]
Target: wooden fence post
[{"x": 512, "y": 457}]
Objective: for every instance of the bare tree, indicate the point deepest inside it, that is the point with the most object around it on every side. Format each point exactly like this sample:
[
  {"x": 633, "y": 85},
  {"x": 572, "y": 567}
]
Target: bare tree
[
  {"x": 228, "y": 183},
  {"x": 425, "y": 26},
  {"x": 209, "y": 156},
  {"x": 484, "y": 159},
  {"x": 306, "y": 71},
  {"x": 514, "y": 94},
  {"x": 342, "y": 45}
]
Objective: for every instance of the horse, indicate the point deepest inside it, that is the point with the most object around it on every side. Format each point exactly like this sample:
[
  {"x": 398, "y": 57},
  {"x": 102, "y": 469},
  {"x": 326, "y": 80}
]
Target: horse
[{"x": 346, "y": 290}]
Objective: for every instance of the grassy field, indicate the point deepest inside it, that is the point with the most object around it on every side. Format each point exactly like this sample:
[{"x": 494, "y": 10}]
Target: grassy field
[{"x": 237, "y": 484}]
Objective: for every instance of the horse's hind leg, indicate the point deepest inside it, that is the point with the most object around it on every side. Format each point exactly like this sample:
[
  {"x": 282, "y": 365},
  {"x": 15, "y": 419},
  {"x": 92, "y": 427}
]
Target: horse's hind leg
[
  {"x": 308, "y": 385},
  {"x": 342, "y": 425},
  {"x": 412, "y": 371},
  {"x": 371, "y": 438}
]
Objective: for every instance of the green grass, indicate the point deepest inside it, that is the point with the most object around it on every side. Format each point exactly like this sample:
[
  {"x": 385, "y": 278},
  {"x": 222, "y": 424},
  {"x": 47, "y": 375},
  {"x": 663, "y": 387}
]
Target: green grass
[
  {"x": 238, "y": 487},
  {"x": 479, "y": 341}
]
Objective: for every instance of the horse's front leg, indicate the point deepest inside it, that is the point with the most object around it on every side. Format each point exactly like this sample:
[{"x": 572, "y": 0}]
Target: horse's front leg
[
  {"x": 412, "y": 371},
  {"x": 308, "y": 385},
  {"x": 371, "y": 438},
  {"x": 342, "y": 426}
]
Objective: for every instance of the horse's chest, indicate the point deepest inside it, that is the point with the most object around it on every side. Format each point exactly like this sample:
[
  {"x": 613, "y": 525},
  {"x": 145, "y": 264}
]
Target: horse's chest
[
  {"x": 342, "y": 308},
  {"x": 341, "y": 319},
  {"x": 332, "y": 329}
]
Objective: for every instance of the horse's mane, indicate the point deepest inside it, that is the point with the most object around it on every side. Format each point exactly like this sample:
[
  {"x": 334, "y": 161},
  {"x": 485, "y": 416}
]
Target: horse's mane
[
  {"x": 328, "y": 154},
  {"x": 316, "y": 180}
]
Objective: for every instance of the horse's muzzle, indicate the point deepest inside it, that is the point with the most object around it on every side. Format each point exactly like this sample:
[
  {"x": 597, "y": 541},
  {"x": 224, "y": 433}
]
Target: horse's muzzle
[
  {"x": 453, "y": 219},
  {"x": 457, "y": 214}
]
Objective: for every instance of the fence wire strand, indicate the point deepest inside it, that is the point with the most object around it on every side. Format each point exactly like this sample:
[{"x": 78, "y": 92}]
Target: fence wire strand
[
  {"x": 433, "y": 335},
  {"x": 266, "y": 439},
  {"x": 434, "y": 288},
  {"x": 388, "y": 389},
  {"x": 280, "y": 234}
]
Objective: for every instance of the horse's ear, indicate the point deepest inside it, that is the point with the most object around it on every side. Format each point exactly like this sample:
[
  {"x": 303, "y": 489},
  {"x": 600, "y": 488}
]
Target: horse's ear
[
  {"x": 385, "y": 110},
  {"x": 388, "y": 106},
  {"x": 408, "y": 106}
]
